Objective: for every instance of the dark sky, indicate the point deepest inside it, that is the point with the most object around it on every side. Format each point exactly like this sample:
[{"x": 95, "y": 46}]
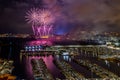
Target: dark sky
[{"x": 96, "y": 15}]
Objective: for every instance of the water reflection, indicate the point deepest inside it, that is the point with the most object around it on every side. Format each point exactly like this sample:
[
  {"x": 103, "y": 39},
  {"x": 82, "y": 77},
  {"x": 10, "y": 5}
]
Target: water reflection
[
  {"x": 49, "y": 63},
  {"x": 67, "y": 58},
  {"x": 111, "y": 66},
  {"x": 28, "y": 68},
  {"x": 118, "y": 64},
  {"x": 107, "y": 63}
]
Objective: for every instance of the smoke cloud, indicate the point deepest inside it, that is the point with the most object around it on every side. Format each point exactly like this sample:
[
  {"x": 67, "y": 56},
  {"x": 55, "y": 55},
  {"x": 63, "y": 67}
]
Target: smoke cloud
[{"x": 96, "y": 15}]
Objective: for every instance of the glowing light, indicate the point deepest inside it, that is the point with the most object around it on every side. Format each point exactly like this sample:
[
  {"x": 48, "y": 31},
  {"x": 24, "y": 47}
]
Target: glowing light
[
  {"x": 46, "y": 17},
  {"x": 42, "y": 21},
  {"x": 39, "y": 42},
  {"x": 32, "y": 16},
  {"x": 44, "y": 36}
]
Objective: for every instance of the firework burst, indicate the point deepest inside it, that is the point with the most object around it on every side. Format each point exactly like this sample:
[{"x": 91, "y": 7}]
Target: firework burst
[
  {"x": 32, "y": 16},
  {"x": 42, "y": 21},
  {"x": 46, "y": 17}
]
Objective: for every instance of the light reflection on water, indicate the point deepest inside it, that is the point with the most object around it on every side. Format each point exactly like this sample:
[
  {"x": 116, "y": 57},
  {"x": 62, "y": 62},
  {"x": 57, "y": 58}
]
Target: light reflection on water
[
  {"x": 55, "y": 71},
  {"x": 49, "y": 63}
]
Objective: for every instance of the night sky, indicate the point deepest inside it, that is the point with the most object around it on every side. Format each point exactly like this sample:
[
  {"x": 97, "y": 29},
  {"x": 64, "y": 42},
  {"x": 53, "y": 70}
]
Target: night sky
[{"x": 96, "y": 15}]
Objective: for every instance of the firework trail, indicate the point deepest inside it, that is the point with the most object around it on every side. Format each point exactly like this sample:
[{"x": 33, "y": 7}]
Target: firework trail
[{"x": 41, "y": 20}]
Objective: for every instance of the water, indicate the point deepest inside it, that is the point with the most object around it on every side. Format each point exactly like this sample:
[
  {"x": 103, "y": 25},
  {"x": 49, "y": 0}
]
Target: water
[
  {"x": 24, "y": 69},
  {"x": 111, "y": 66},
  {"x": 49, "y": 63},
  {"x": 82, "y": 70}
]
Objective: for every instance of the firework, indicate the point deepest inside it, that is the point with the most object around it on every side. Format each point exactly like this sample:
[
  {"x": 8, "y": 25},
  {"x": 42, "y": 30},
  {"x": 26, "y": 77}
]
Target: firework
[
  {"x": 32, "y": 16},
  {"x": 42, "y": 21},
  {"x": 46, "y": 17}
]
